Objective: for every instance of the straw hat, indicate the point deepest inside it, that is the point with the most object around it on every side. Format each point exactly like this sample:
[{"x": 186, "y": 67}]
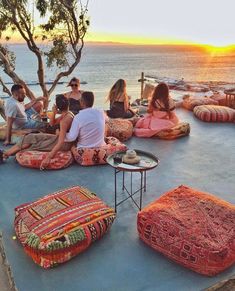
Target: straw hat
[{"x": 131, "y": 157}]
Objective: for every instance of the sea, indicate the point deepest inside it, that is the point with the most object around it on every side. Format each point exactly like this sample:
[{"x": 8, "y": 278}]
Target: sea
[{"x": 102, "y": 65}]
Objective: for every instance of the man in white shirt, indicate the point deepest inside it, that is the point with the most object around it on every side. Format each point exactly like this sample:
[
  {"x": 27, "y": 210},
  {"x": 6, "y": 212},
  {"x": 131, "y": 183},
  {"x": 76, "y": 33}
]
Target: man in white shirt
[
  {"x": 19, "y": 116},
  {"x": 88, "y": 126}
]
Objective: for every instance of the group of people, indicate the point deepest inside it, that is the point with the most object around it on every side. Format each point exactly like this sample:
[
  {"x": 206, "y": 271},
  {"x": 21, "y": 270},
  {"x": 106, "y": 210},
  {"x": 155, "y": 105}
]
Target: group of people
[{"x": 78, "y": 121}]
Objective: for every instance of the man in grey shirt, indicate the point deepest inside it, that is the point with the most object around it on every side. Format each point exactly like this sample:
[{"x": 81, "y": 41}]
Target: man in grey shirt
[{"x": 19, "y": 116}]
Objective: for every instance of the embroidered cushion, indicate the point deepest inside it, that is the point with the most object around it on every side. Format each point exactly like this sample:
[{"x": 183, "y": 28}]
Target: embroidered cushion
[
  {"x": 61, "y": 225},
  {"x": 193, "y": 228},
  {"x": 190, "y": 102},
  {"x": 33, "y": 159},
  {"x": 181, "y": 129},
  {"x": 120, "y": 128},
  {"x": 16, "y": 135},
  {"x": 214, "y": 113},
  {"x": 97, "y": 156}
]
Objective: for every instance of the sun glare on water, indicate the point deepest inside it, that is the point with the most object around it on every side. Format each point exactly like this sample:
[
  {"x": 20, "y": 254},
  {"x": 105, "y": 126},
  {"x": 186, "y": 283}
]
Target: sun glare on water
[{"x": 215, "y": 50}]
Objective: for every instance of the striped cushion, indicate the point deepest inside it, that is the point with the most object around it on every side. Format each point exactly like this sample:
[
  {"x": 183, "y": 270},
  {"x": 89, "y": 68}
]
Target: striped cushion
[
  {"x": 193, "y": 228},
  {"x": 191, "y": 102},
  {"x": 61, "y": 225},
  {"x": 120, "y": 128},
  {"x": 214, "y": 113},
  {"x": 98, "y": 155},
  {"x": 33, "y": 159},
  {"x": 181, "y": 129}
]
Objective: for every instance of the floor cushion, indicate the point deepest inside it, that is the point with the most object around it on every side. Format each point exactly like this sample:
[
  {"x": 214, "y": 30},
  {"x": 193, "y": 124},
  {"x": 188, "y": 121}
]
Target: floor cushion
[
  {"x": 180, "y": 130},
  {"x": 98, "y": 155},
  {"x": 220, "y": 98},
  {"x": 61, "y": 225},
  {"x": 33, "y": 159},
  {"x": 190, "y": 102},
  {"x": 16, "y": 135},
  {"x": 193, "y": 228},
  {"x": 120, "y": 128},
  {"x": 214, "y": 113}
]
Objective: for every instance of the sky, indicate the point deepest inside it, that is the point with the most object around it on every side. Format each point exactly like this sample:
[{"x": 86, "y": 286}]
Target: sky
[{"x": 163, "y": 21}]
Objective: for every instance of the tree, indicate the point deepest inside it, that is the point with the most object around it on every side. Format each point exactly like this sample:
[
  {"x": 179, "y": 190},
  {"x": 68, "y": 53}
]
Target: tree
[{"x": 64, "y": 32}]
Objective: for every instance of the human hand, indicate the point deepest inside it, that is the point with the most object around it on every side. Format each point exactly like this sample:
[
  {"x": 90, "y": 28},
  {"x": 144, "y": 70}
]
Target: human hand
[
  {"x": 7, "y": 142},
  {"x": 54, "y": 109},
  {"x": 45, "y": 163}
]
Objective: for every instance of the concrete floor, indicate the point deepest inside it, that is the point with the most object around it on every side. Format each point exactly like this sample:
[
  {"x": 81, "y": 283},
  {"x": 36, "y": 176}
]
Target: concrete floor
[{"x": 120, "y": 261}]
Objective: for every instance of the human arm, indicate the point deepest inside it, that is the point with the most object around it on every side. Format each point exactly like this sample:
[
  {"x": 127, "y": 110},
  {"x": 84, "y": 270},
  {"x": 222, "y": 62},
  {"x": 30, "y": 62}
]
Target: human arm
[
  {"x": 10, "y": 121},
  {"x": 52, "y": 119},
  {"x": 33, "y": 102}
]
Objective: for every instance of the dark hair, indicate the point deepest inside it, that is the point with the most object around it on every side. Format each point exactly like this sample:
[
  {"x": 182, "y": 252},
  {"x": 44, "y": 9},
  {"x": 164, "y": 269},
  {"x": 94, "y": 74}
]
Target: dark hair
[
  {"x": 74, "y": 79},
  {"x": 16, "y": 87},
  {"x": 62, "y": 102},
  {"x": 161, "y": 93},
  {"x": 88, "y": 98}
]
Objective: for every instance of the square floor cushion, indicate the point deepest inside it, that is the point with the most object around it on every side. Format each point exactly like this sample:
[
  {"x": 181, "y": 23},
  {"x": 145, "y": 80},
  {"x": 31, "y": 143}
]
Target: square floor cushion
[
  {"x": 193, "y": 228},
  {"x": 61, "y": 225},
  {"x": 33, "y": 159}
]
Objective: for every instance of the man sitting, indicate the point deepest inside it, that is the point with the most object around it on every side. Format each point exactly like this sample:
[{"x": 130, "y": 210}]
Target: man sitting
[
  {"x": 88, "y": 126},
  {"x": 19, "y": 116}
]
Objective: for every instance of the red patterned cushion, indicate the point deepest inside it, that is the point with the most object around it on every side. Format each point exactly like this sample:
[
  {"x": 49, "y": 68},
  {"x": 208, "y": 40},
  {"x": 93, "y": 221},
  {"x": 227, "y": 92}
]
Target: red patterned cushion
[
  {"x": 59, "y": 226},
  {"x": 97, "y": 156},
  {"x": 33, "y": 159},
  {"x": 214, "y": 113},
  {"x": 191, "y": 102},
  {"x": 193, "y": 228},
  {"x": 181, "y": 129},
  {"x": 122, "y": 129}
]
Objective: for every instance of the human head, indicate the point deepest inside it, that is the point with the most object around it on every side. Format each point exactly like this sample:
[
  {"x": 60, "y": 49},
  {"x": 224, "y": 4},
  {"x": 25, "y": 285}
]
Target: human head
[
  {"x": 18, "y": 92},
  {"x": 117, "y": 90},
  {"x": 74, "y": 83},
  {"x": 62, "y": 103},
  {"x": 87, "y": 99},
  {"x": 161, "y": 93}
]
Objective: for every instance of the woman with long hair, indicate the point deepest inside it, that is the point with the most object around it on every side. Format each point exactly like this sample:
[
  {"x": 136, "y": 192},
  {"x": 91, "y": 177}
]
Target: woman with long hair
[
  {"x": 119, "y": 101},
  {"x": 50, "y": 143},
  {"x": 74, "y": 95},
  {"x": 160, "y": 114}
]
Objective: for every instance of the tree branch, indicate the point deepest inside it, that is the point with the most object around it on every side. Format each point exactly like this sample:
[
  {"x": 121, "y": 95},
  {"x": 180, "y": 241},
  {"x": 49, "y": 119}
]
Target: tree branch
[{"x": 4, "y": 87}]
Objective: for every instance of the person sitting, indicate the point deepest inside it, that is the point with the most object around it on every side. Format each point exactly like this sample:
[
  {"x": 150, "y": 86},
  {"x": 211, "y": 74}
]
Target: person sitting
[
  {"x": 74, "y": 95},
  {"x": 160, "y": 114},
  {"x": 19, "y": 116},
  {"x": 88, "y": 127},
  {"x": 119, "y": 101},
  {"x": 48, "y": 142}
]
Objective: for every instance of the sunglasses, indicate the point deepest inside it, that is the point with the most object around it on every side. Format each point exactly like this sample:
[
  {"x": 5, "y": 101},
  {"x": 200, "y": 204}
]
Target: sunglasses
[{"x": 74, "y": 85}]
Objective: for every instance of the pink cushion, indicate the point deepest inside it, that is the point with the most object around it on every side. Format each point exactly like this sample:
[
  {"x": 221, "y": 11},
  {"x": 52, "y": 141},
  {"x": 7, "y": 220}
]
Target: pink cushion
[
  {"x": 98, "y": 155},
  {"x": 214, "y": 113},
  {"x": 191, "y": 102},
  {"x": 33, "y": 159},
  {"x": 193, "y": 228}
]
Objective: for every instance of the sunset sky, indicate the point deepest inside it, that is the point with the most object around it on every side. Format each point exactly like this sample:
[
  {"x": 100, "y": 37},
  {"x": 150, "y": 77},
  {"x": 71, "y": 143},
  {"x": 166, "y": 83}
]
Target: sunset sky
[{"x": 153, "y": 21}]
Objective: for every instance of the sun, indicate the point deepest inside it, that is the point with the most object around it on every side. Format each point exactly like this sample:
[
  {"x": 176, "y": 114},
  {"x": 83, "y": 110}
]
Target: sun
[{"x": 219, "y": 49}]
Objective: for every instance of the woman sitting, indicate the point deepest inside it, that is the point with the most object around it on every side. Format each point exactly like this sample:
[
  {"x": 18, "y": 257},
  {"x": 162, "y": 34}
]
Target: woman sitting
[
  {"x": 74, "y": 96},
  {"x": 160, "y": 114},
  {"x": 119, "y": 101},
  {"x": 48, "y": 142}
]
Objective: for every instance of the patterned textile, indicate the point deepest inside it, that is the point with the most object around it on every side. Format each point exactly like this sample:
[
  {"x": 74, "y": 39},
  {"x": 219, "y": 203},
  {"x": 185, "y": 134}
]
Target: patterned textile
[
  {"x": 193, "y": 228},
  {"x": 190, "y": 102},
  {"x": 59, "y": 226},
  {"x": 97, "y": 156},
  {"x": 16, "y": 135},
  {"x": 214, "y": 113},
  {"x": 181, "y": 129},
  {"x": 33, "y": 159},
  {"x": 120, "y": 128}
]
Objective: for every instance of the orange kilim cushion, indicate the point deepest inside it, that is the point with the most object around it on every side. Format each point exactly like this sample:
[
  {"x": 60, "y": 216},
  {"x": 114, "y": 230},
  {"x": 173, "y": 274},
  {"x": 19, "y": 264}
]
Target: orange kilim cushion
[
  {"x": 214, "y": 113},
  {"x": 181, "y": 129},
  {"x": 190, "y": 102},
  {"x": 61, "y": 225},
  {"x": 193, "y": 228},
  {"x": 98, "y": 155},
  {"x": 122, "y": 129},
  {"x": 33, "y": 159}
]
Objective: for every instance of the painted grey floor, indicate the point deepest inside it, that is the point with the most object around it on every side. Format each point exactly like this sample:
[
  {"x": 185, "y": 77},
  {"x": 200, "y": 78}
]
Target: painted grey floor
[{"x": 120, "y": 261}]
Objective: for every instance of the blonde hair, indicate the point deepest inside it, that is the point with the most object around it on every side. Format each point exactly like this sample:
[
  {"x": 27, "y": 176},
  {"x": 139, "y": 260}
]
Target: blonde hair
[{"x": 118, "y": 92}]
